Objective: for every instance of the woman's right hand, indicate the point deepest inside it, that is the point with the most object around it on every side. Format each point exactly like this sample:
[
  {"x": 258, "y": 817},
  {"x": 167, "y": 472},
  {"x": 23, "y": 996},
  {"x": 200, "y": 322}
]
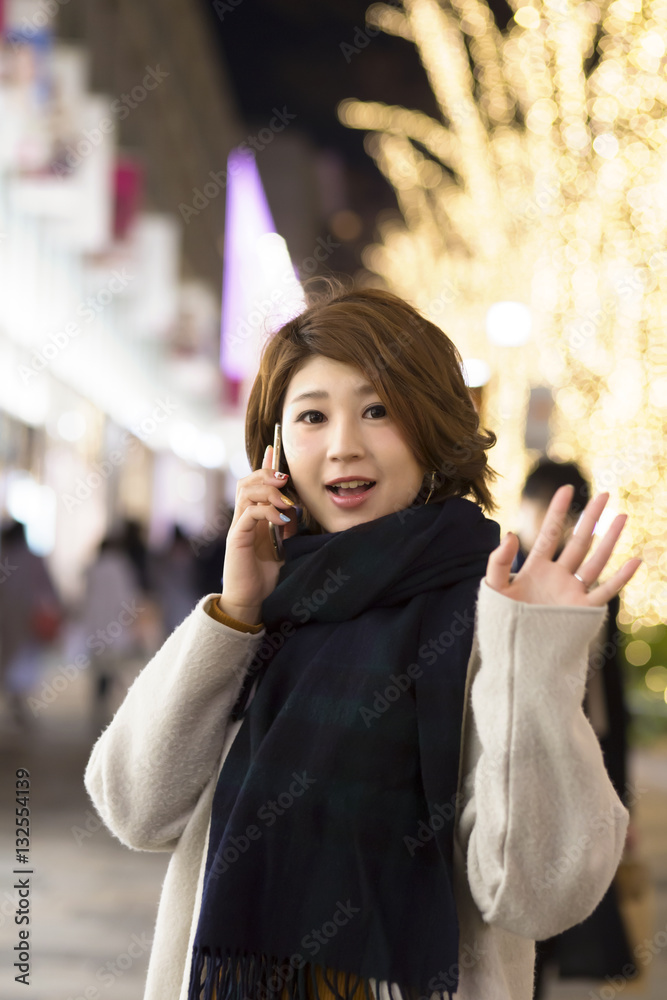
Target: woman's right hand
[{"x": 251, "y": 569}]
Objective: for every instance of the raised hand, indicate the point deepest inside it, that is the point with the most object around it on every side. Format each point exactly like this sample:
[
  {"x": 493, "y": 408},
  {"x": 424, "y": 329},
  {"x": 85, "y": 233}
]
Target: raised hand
[
  {"x": 250, "y": 572},
  {"x": 567, "y": 579}
]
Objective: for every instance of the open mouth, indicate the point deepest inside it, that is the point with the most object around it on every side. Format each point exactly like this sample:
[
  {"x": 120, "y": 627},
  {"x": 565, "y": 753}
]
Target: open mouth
[{"x": 350, "y": 491}]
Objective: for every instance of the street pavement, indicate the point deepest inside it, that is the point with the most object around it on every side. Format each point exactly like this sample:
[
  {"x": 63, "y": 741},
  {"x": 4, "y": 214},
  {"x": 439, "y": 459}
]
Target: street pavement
[{"x": 93, "y": 902}]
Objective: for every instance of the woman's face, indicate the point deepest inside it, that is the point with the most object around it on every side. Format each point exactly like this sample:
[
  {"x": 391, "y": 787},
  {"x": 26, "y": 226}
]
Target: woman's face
[{"x": 341, "y": 431}]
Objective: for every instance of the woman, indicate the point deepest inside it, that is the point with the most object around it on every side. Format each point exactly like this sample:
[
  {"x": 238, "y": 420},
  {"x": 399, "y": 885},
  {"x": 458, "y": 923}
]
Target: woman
[{"x": 370, "y": 758}]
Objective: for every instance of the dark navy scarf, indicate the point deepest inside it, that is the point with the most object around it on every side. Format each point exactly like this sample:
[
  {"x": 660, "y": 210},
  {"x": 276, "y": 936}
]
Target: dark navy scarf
[{"x": 331, "y": 838}]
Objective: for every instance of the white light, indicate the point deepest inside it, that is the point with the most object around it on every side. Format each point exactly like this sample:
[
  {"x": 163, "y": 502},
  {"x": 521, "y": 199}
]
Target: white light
[
  {"x": 191, "y": 486},
  {"x": 653, "y": 44},
  {"x": 22, "y": 496},
  {"x": 71, "y": 425},
  {"x": 35, "y": 507},
  {"x": 476, "y": 372},
  {"x": 211, "y": 451},
  {"x": 603, "y": 523},
  {"x": 606, "y": 145},
  {"x": 41, "y": 530},
  {"x": 272, "y": 252},
  {"x": 508, "y": 324},
  {"x": 184, "y": 440},
  {"x": 239, "y": 466}
]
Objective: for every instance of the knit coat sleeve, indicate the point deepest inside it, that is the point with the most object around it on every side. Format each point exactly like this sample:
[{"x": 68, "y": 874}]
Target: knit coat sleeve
[
  {"x": 541, "y": 826},
  {"x": 148, "y": 768}
]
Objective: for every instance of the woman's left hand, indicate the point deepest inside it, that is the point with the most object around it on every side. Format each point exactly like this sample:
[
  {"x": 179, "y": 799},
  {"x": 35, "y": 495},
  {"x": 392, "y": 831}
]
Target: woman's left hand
[{"x": 544, "y": 581}]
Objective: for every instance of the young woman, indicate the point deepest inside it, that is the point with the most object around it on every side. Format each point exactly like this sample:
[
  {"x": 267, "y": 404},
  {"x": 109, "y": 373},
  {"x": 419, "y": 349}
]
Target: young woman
[{"x": 369, "y": 758}]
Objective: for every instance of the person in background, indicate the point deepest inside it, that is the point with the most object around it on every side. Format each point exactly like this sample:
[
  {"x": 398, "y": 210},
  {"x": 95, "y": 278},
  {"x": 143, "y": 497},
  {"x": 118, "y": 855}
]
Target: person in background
[
  {"x": 31, "y": 614},
  {"x": 132, "y": 540},
  {"x": 209, "y": 550},
  {"x": 106, "y": 626},
  {"x": 597, "y": 947},
  {"x": 174, "y": 580}
]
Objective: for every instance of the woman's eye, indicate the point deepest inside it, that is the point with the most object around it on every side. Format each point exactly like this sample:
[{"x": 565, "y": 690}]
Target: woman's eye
[{"x": 318, "y": 413}]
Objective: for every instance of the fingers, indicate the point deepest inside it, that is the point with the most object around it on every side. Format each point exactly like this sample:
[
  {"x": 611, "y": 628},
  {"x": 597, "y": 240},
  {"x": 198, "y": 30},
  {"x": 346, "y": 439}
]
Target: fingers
[
  {"x": 263, "y": 485},
  {"x": 604, "y": 593},
  {"x": 267, "y": 463},
  {"x": 582, "y": 538},
  {"x": 500, "y": 562},
  {"x": 592, "y": 568},
  {"x": 260, "y": 512},
  {"x": 263, "y": 492},
  {"x": 551, "y": 531}
]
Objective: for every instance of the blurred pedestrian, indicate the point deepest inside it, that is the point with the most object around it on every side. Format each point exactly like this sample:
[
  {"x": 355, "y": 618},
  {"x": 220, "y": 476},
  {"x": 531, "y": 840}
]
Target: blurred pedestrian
[
  {"x": 209, "y": 550},
  {"x": 31, "y": 614},
  {"x": 106, "y": 625},
  {"x": 134, "y": 545},
  {"x": 597, "y": 947},
  {"x": 174, "y": 580}
]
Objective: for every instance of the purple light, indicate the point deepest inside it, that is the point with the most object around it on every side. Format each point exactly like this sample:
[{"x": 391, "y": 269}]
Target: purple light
[{"x": 247, "y": 218}]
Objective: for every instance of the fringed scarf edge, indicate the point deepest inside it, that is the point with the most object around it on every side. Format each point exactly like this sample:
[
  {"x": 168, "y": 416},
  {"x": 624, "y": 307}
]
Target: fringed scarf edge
[{"x": 248, "y": 976}]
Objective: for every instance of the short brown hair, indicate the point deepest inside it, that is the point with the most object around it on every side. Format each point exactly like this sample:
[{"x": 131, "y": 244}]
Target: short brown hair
[{"x": 414, "y": 367}]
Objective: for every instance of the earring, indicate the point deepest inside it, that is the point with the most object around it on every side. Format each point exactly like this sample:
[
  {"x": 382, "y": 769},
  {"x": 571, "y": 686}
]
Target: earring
[{"x": 431, "y": 489}]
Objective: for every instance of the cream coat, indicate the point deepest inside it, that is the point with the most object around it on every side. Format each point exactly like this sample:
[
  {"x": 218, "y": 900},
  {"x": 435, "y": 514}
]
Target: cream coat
[{"x": 540, "y": 829}]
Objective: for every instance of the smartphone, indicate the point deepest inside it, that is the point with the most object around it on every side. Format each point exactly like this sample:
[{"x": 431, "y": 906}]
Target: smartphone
[{"x": 274, "y": 530}]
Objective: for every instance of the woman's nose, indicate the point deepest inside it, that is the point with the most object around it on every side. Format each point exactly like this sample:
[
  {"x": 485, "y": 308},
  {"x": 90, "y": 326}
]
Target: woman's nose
[{"x": 345, "y": 440}]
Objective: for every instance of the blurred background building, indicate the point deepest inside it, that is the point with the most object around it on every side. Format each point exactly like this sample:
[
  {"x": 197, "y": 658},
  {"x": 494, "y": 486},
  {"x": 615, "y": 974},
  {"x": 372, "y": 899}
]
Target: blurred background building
[{"x": 170, "y": 176}]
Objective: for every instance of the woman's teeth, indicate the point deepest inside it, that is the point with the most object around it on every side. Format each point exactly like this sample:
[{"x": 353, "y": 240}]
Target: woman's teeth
[{"x": 352, "y": 484}]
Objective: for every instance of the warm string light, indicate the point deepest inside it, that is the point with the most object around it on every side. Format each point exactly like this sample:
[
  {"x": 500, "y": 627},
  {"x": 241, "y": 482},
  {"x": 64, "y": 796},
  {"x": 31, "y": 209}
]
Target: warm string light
[{"x": 545, "y": 182}]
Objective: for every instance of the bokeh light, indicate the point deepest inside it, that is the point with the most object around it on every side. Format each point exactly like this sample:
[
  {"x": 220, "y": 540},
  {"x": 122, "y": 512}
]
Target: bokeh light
[{"x": 544, "y": 182}]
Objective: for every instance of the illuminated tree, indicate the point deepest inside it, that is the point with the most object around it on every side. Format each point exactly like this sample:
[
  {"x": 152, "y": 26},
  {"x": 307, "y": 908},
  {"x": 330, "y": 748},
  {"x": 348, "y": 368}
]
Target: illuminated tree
[{"x": 544, "y": 183}]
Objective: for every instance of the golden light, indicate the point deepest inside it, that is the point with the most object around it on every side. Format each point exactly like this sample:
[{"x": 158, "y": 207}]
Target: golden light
[
  {"x": 544, "y": 182},
  {"x": 638, "y": 652},
  {"x": 656, "y": 679}
]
